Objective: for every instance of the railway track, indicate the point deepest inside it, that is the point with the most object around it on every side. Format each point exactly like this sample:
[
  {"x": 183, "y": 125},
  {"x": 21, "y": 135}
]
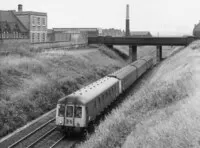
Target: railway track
[
  {"x": 67, "y": 143},
  {"x": 56, "y": 143},
  {"x": 35, "y": 136},
  {"x": 44, "y": 136},
  {"x": 54, "y": 140}
]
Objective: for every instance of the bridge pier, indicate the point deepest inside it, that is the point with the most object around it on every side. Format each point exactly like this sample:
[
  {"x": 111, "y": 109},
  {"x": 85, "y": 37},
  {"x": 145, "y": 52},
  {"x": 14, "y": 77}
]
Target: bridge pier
[
  {"x": 132, "y": 53},
  {"x": 109, "y": 46},
  {"x": 159, "y": 53}
]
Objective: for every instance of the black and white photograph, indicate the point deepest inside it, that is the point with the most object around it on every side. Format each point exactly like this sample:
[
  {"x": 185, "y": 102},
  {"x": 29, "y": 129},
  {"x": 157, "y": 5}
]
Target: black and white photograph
[{"x": 100, "y": 74}]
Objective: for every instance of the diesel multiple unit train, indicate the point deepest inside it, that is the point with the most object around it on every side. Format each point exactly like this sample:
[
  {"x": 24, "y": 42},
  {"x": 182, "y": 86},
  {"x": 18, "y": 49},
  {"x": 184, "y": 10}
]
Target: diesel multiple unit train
[{"x": 75, "y": 111}]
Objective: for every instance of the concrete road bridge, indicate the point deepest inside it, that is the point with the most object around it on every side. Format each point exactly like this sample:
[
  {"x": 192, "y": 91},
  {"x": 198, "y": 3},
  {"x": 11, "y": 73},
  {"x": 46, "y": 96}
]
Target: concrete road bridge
[{"x": 134, "y": 42}]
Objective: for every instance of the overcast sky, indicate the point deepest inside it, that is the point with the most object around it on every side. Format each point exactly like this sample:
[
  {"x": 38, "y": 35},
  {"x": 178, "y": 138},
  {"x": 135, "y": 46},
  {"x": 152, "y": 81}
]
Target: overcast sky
[{"x": 171, "y": 17}]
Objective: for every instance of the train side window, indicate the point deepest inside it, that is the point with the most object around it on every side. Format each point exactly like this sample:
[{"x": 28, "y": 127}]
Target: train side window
[
  {"x": 95, "y": 104},
  {"x": 86, "y": 110},
  {"x": 78, "y": 112},
  {"x": 102, "y": 99},
  {"x": 61, "y": 111},
  {"x": 99, "y": 100}
]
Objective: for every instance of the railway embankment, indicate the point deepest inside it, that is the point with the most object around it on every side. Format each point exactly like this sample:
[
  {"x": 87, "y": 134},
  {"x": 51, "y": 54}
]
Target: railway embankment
[
  {"x": 32, "y": 82},
  {"x": 161, "y": 110}
]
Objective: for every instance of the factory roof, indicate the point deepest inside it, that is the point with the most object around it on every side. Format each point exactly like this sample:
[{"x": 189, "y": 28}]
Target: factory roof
[
  {"x": 140, "y": 33},
  {"x": 31, "y": 13}
]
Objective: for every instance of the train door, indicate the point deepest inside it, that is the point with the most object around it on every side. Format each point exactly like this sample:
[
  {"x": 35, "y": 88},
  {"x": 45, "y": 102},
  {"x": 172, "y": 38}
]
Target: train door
[
  {"x": 69, "y": 115},
  {"x": 78, "y": 116}
]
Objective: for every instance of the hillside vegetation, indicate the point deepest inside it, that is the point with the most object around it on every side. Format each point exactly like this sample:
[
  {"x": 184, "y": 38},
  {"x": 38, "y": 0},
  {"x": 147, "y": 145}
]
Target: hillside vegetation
[
  {"x": 32, "y": 82},
  {"x": 162, "y": 112}
]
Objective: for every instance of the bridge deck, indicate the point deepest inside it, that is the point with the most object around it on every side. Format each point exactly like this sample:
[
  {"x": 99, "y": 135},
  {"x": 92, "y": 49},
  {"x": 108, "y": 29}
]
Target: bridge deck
[{"x": 141, "y": 41}]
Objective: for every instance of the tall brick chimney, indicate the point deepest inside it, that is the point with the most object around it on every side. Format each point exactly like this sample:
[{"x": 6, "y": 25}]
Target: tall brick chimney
[
  {"x": 127, "y": 21},
  {"x": 20, "y": 8}
]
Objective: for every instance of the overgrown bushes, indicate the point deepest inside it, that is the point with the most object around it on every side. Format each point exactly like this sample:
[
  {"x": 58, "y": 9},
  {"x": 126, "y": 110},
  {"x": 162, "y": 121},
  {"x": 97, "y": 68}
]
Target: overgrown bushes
[{"x": 31, "y": 83}]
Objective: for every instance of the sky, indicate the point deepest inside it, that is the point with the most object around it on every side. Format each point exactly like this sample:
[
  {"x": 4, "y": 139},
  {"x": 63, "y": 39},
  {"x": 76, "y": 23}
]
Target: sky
[{"x": 160, "y": 17}]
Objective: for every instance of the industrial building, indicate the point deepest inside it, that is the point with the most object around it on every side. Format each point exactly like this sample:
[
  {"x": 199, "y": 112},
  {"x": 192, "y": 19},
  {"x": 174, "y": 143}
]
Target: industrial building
[
  {"x": 23, "y": 24},
  {"x": 35, "y": 22},
  {"x": 91, "y": 32},
  {"x": 140, "y": 34},
  {"x": 111, "y": 32},
  {"x": 11, "y": 27}
]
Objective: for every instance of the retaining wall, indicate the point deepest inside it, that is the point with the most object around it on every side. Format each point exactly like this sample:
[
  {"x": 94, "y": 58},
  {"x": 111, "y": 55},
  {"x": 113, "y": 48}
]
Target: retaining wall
[
  {"x": 77, "y": 40},
  {"x": 9, "y": 44},
  {"x": 49, "y": 45}
]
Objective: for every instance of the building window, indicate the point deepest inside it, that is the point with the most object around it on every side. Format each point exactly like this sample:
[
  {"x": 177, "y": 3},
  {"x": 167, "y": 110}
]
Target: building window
[
  {"x": 44, "y": 21},
  {"x": 7, "y": 35},
  {"x": 3, "y": 35},
  {"x": 38, "y": 20},
  {"x": 43, "y": 37},
  {"x": 16, "y": 35},
  {"x": 19, "y": 34},
  {"x": 33, "y": 20},
  {"x": 38, "y": 37},
  {"x": 34, "y": 28},
  {"x": 33, "y": 35}
]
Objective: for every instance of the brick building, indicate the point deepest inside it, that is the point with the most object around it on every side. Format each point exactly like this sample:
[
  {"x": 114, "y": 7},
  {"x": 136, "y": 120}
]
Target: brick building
[
  {"x": 35, "y": 22},
  {"x": 58, "y": 36},
  {"x": 23, "y": 24},
  {"x": 11, "y": 27}
]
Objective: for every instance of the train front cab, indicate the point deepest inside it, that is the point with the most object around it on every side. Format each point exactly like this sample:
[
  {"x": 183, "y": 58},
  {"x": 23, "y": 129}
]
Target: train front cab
[{"x": 71, "y": 117}]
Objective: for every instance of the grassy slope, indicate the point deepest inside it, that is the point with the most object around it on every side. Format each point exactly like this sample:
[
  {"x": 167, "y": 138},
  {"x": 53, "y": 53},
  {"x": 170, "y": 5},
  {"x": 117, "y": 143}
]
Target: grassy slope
[
  {"x": 164, "y": 112},
  {"x": 31, "y": 83},
  {"x": 176, "y": 125}
]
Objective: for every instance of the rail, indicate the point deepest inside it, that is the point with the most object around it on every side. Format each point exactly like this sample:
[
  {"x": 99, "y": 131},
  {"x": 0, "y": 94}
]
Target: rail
[
  {"x": 41, "y": 137},
  {"x": 31, "y": 133},
  {"x": 57, "y": 142}
]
